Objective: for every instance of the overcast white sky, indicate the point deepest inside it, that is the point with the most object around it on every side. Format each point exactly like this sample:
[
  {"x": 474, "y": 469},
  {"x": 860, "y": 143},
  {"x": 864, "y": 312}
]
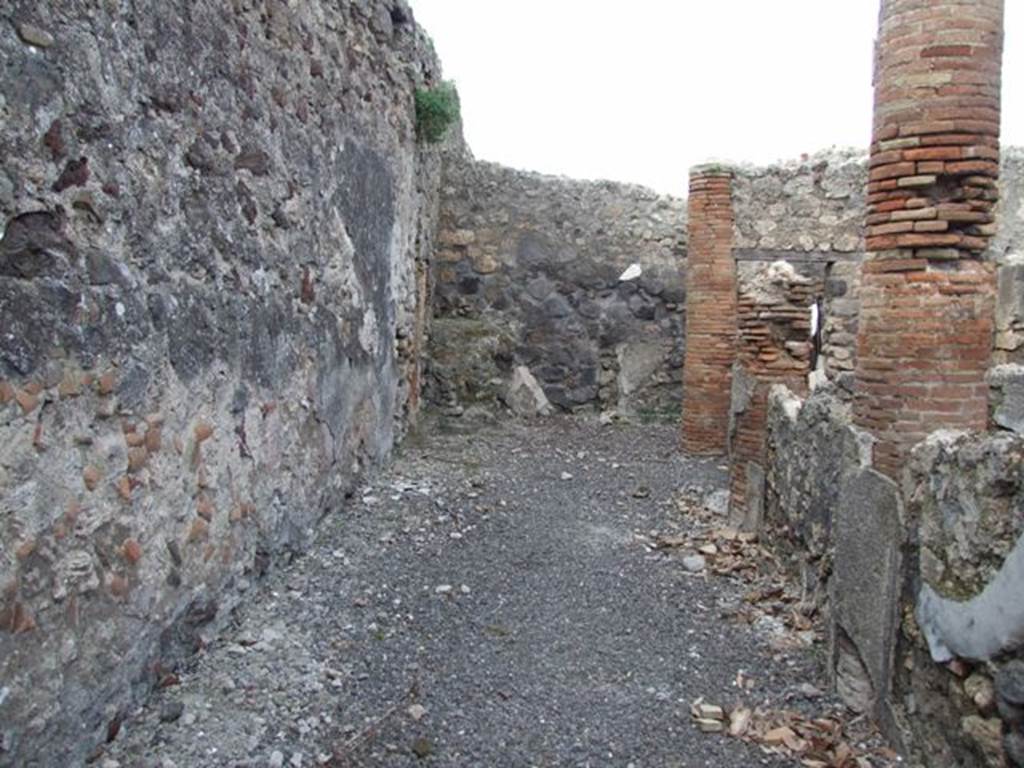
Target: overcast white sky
[{"x": 640, "y": 91}]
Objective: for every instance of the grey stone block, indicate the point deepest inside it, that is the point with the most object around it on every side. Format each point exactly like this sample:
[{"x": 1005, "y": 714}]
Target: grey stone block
[
  {"x": 868, "y": 530},
  {"x": 1007, "y": 382}
]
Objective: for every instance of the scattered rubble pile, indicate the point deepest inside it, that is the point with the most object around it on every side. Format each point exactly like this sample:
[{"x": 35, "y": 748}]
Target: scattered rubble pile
[
  {"x": 815, "y": 741},
  {"x": 815, "y": 731},
  {"x": 772, "y": 601}
]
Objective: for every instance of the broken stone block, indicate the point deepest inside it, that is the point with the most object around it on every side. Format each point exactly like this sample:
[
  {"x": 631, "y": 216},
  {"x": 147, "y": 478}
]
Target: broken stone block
[
  {"x": 638, "y": 363},
  {"x": 525, "y": 396},
  {"x": 1007, "y": 385},
  {"x": 868, "y": 531}
]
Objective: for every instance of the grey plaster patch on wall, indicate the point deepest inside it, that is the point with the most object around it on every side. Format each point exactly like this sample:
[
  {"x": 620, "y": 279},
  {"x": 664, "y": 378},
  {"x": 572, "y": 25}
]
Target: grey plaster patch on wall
[{"x": 982, "y": 628}]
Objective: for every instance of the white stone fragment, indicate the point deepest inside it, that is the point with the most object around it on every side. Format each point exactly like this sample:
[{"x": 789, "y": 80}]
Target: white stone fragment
[{"x": 633, "y": 271}]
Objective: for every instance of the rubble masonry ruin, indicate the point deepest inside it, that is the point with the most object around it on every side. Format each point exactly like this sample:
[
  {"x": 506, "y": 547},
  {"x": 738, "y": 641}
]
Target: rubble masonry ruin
[
  {"x": 228, "y": 271},
  {"x": 896, "y": 489}
]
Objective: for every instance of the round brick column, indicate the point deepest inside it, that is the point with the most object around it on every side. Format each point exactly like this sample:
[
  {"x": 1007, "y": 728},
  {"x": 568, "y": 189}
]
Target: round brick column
[
  {"x": 710, "y": 312},
  {"x": 928, "y": 294}
]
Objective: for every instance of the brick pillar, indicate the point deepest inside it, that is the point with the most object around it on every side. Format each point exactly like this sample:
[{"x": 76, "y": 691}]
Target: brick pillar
[
  {"x": 710, "y": 312},
  {"x": 927, "y": 297}
]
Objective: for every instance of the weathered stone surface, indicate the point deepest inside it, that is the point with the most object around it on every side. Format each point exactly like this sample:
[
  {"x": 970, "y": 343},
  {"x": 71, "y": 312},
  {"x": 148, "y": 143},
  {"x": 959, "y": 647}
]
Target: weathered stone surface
[
  {"x": 1013, "y": 743},
  {"x": 1010, "y": 684},
  {"x": 34, "y": 35},
  {"x": 980, "y": 689},
  {"x": 1007, "y": 397},
  {"x": 638, "y": 365},
  {"x": 147, "y": 287},
  {"x": 987, "y": 734},
  {"x": 525, "y": 396},
  {"x": 811, "y": 448},
  {"x": 470, "y": 361},
  {"x": 869, "y": 530},
  {"x": 541, "y": 256},
  {"x": 1009, "y": 318},
  {"x": 964, "y": 491},
  {"x": 1008, "y": 249},
  {"x": 963, "y": 502},
  {"x": 814, "y": 204},
  {"x": 982, "y": 628}
]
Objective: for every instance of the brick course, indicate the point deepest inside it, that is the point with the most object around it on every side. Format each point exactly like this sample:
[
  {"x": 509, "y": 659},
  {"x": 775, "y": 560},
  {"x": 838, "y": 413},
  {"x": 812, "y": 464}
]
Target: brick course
[
  {"x": 936, "y": 123},
  {"x": 923, "y": 351}
]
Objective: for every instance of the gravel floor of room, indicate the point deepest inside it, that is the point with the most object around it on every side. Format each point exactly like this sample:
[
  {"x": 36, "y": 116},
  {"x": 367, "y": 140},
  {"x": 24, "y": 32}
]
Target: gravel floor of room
[{"x": 495, "y": 597}]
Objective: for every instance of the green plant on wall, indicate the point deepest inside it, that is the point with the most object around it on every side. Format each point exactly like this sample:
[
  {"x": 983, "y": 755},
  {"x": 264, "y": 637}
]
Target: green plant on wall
[{"x": 436, "y": 109}]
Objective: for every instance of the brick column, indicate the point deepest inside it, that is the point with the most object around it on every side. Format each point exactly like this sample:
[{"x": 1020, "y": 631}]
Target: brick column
[
  {"x": 927, "y": 297},
  {"x": 710, "y": 311}
]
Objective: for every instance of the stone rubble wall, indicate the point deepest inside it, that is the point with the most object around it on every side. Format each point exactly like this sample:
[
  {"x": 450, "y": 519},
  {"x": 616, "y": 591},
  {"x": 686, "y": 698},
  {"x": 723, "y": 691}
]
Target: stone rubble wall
[
  {"x": 527, "y": 274},
  {"x": 951, "y": 523},
  {"x": 527, "y": 271},
  {"x": 808, "y": 449},
  {"x": 1007, "y": 248},
  {"x": 216, "y": 224},
  {"x": 947, "y": 525},
  {"x": 817, "y": 205},
  {"x": 965, "y": 503},
  {"x": 813, "y": 206}
]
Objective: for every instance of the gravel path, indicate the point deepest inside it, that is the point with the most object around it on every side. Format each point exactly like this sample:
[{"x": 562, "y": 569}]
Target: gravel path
[{"x": 487, "y": 601}]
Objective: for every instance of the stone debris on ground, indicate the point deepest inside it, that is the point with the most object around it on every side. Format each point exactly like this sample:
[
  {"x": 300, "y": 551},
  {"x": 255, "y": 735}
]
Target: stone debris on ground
[
  {"x": 772, "y": 603},
  {"x": 551, "y": 632},
  {"x": 816, "y": 741}
]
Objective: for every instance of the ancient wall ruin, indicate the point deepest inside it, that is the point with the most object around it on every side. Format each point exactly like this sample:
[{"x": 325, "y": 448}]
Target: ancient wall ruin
[
  {"x": 950, "y": 527},
  {"x": 527, "y": 277},
  {"x": 811, "y": 212},
  {"x": 217, "y": 276},
  {"x": 216, "y": 224},
  {"x": 772, "y": 285},
  {"x": 903, "y": 505},
  {"x": 808, "y": 210},
  {"x": 950, "y": 522},
  {"x": 509, "y": 237},
  {"x": 774, "y": 345}
]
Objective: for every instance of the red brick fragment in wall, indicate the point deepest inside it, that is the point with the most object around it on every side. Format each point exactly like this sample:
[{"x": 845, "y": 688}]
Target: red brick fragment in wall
[{"x": 710, "y": 313}]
